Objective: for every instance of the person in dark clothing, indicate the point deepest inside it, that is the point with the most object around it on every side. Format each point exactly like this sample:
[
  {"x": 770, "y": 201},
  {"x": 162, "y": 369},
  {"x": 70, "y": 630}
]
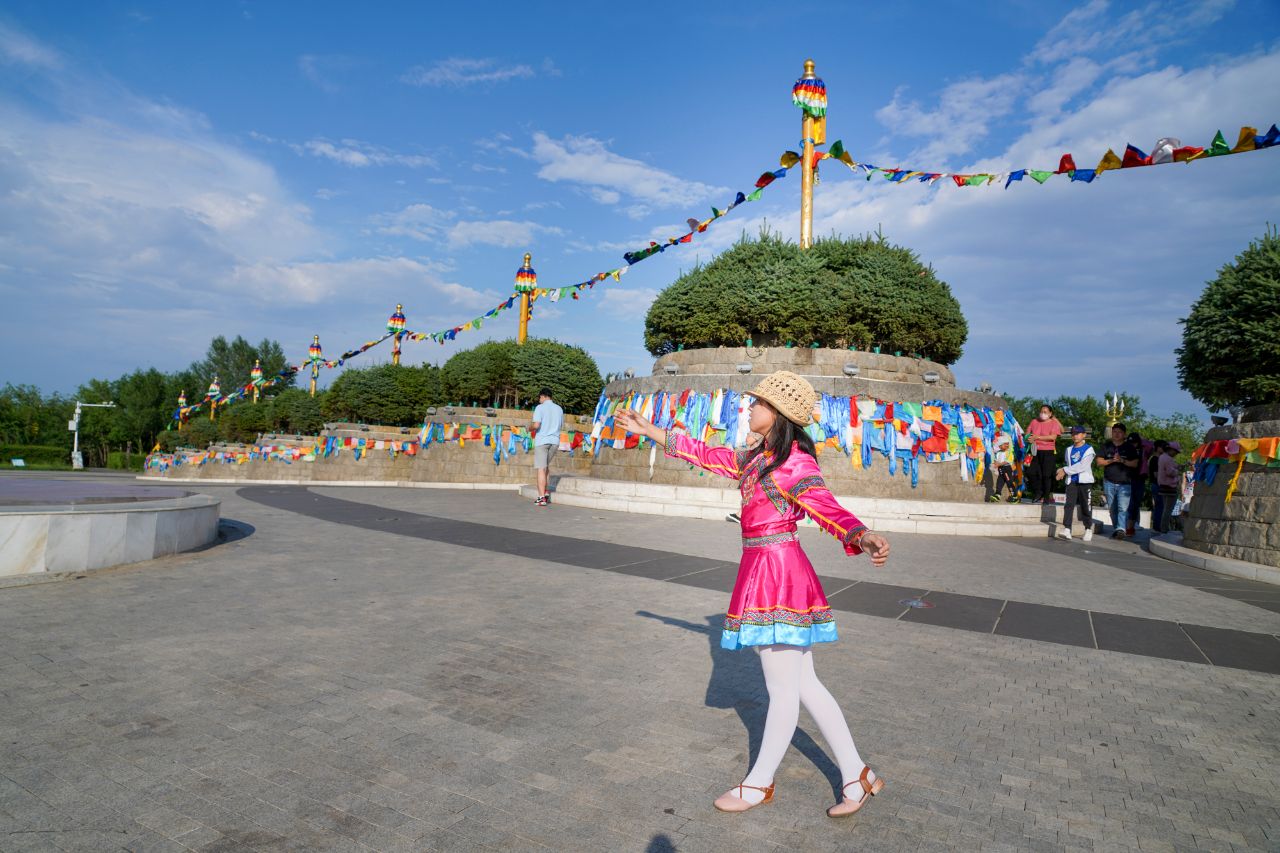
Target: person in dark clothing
[
  {"x": 1118, "y": 459},
  {"x": 1138, "y": 480}
]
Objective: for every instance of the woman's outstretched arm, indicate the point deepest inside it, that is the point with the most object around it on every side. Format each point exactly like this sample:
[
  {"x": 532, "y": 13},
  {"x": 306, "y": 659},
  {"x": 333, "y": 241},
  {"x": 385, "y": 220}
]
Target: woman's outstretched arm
[
  {"x": 717, "y": 460},
  {"x": 804, "y": 486}
]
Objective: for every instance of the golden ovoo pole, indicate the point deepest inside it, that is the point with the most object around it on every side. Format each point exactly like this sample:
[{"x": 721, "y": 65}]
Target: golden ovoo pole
[
  {"x": 314, "y": 355},
  {"x": 806, "y": 168},
  {"x": 523, "y": 333},
  {"x": 395, "y": 340}
]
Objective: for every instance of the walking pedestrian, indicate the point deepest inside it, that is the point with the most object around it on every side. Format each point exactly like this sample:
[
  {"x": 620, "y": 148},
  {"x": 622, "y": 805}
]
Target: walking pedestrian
[{"x": 548, "y": 420}]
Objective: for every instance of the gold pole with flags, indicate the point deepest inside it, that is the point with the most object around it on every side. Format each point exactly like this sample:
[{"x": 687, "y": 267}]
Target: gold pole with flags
[
  {"x": 396, "y": 325},
  {"x": 813, "y": 132},
  {"x": 315, "y": 356},
  {"x": 255, "y": 379},
  {"x": 526, "y": 281}
]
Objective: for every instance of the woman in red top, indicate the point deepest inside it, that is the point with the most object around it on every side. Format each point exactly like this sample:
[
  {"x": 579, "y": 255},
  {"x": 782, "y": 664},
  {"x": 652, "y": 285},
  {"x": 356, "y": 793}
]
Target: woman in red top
[{"x": 1045, "y": 431}]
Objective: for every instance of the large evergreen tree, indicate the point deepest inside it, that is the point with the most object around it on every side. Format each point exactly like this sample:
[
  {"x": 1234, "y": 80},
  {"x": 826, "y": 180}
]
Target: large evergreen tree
[
  {"x": 861, "y": 292},
  {"x": 1230, "y": 353}
]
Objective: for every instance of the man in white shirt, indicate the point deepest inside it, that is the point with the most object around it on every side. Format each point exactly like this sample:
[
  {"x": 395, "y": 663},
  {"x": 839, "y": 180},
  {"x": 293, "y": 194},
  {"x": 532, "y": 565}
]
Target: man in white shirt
[{"x": 548, "y": 420}]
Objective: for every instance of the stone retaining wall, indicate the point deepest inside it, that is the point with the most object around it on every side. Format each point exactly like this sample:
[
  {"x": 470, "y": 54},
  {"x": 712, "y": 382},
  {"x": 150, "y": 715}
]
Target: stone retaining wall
[
  {"x": 886, "y": 377},
  {"x": 1247, "y": 528}
]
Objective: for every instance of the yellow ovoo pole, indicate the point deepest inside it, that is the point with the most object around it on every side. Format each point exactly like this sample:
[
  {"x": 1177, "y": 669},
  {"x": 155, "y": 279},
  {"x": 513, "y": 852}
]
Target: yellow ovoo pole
[
  {"x": 315, "y": 365},
  {"x": 523, "y": 333},
  {"x": 807, "y": 129}
]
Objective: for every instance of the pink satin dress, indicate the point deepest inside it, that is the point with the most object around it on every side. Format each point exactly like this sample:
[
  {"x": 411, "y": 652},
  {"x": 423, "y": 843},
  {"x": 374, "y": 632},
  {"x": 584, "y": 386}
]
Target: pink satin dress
[{"x": 777, "y": 598}]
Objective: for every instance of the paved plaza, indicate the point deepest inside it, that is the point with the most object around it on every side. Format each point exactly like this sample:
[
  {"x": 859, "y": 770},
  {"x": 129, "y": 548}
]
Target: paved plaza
[{"x": 419, "y": 670}]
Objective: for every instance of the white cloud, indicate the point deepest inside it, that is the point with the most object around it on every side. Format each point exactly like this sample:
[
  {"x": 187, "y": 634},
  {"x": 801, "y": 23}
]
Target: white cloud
[
  {"x": 419, "y": 221},
  {"x": 353, "y": 152},
  {"x": 465, "y": 72},
  {"x": 321, "y": 69},
  {"x": 391, "y": 278},
  {"x": 961, "y": 119},
  {"x": 17, "y": 48},
  {"x": 1092, "y": 28},
  {"x": 506, "y": 233},
  {"x": 608, "y": 177},
  {"x": 629, "y": 302}
]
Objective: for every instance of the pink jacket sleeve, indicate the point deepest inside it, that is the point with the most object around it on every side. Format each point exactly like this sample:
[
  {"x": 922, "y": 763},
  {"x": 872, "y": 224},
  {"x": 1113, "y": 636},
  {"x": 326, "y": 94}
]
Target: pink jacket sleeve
[
  {"x": 804, "y": 487},
  {"x": 717, "y": 460}
]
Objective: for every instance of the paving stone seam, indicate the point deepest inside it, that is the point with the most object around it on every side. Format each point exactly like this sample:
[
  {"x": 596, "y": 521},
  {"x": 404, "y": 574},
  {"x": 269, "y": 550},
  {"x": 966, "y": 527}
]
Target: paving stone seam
[{"x": 1194, "y": 644}]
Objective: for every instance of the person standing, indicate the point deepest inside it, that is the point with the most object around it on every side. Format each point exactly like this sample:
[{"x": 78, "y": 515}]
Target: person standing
[
  {"x": 777, "y": 606},
  {"x": 548, "y": 420},
  {"x": 1119, "y": 458},
  {"x": 1044, "y": 430},
  {"x": 1078, "y": 472},
  {"x": 1003, "y": 463},
  {"x": 1137, "y": 485},
  {"x": 1168, "y": 481},
  {"x": 1152, "y": 467}
]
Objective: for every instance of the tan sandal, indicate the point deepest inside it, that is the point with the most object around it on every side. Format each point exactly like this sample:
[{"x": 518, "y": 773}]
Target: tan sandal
[
  {"x": 729, "y": 803},
  {"x": 847, "y": 806}
]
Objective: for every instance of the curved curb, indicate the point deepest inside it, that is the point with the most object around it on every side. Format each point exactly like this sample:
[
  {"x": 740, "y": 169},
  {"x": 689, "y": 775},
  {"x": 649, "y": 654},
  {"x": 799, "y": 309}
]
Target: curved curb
[{"x": 1170, "y": 547}]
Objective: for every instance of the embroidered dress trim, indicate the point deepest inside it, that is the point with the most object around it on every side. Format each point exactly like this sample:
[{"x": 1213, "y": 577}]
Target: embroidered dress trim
[
  {"x": 771, "y": 539},
  {"x": 774, "y": 494},
  {"x": 804, "y": 484},
  {"x": 853, "y": 536},
  {"x": 779, "y": 626}
]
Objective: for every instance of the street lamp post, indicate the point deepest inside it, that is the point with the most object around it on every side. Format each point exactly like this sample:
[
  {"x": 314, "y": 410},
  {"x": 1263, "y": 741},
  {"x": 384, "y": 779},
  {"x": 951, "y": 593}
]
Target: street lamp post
[{"x": 77, "y": 461}]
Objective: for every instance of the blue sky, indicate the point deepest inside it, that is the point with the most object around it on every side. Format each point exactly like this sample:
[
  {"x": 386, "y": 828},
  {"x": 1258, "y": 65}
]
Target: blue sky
[{"x": 169, "y": 172}]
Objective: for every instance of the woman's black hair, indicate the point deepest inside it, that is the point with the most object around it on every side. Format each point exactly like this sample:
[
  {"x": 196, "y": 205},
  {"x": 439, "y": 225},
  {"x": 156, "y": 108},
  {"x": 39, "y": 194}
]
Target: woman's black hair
[{"x": 779, "y": 441}]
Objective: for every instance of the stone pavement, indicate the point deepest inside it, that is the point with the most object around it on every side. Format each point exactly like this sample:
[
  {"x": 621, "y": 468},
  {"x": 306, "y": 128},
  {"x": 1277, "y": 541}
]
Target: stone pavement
[{"x": 468, "y": 684}]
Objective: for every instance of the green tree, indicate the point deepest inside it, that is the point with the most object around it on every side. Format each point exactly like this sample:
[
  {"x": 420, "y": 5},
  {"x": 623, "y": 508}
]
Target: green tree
[
  {"x": 483, "y": 374},
  {"x": 862, "y": 292},
  {"x": 385, "y": 394},
  {"x": 505, "y": 374},
  {"x": 569, "y": 372},
  {"x": 28, "y": 417},
  {"x": 232, "y": 361},
  {"x": 1230, "y": 353},
  {"x": 296, "y": 411}
]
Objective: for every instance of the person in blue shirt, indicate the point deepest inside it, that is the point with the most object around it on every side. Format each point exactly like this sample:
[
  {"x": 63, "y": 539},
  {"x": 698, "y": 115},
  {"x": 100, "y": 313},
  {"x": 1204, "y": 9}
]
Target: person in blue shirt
[
  {"x": 1078, "y": 472},
  {"x": 548, "y": 420}
]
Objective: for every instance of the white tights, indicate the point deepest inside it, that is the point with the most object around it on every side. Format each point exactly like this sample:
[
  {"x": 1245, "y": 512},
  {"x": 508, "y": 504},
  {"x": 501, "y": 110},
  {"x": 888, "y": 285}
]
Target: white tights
[{"x": 790, "y": 679}]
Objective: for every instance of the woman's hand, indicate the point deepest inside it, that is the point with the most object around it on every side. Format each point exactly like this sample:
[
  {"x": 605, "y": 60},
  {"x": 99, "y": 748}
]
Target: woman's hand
[
  {"x": 634, "y": 422},
  {"x": 876, "y": 547}
]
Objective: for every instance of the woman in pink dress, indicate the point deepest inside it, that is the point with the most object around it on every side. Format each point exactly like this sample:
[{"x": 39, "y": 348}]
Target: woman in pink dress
[{"x": 778, "y": 606}]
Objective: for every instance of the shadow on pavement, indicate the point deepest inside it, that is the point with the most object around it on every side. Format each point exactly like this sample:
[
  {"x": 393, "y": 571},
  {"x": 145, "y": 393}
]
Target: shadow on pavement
[
  {"x": 229, "y": 530},
  {"x": 735, "y": 679}
]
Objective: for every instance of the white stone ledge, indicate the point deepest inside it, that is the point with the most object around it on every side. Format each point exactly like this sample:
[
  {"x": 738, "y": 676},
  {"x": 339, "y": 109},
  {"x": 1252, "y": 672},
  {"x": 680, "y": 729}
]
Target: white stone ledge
[
  {"x": 1170, "y": 547},
  {"x": 382, "y": 484},
  {"x": 581, "y": 492},
  {"x": 44, "y": 540}
]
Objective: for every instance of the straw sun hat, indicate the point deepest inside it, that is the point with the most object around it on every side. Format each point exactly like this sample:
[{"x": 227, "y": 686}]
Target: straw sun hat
[{"x": 791, "y": 395}]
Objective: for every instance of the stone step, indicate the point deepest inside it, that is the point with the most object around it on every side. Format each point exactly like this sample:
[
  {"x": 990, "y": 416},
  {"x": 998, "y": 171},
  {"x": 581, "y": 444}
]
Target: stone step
[
  {"x": 607, "y": 492},
  {"x": 934, "y": 517}
]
